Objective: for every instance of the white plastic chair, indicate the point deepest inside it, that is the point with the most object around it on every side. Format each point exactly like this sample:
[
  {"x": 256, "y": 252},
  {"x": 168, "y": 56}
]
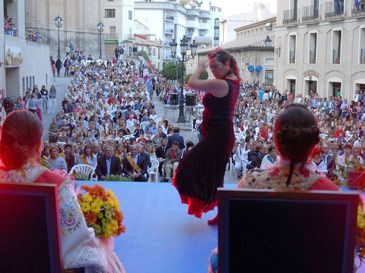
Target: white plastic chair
[
  {"x": 83, "y": 170},
  {"x": 153, "y": 170}
]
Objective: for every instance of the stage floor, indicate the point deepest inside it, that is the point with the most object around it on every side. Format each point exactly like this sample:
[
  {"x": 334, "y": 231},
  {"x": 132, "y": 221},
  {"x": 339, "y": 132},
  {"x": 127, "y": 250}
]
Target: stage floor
[{"x": 161, "y": 237}]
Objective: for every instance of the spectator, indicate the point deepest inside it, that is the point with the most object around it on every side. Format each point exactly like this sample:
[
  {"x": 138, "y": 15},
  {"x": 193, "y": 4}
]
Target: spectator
[
  {"x": 56, "y": 162},
  {"x": 108, "y": 164},
  {"x": 135, "y": 165},
  {"x": 173, "y": 155},
  {"x": 176, "y": 136},
  {"x": 58, "y": 66},
  {"x": 69, "y": 157}
]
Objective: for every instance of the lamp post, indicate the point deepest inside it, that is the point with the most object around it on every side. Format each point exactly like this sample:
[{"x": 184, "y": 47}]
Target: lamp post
[
  {"x": 183, "y": 49},
  {"x": 100, "y": 27},
  {"x": 58, "y": 21}
]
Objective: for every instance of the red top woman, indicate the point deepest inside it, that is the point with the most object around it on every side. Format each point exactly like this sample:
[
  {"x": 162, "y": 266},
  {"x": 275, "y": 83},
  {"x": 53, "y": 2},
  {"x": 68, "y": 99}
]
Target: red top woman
[{"x": 201, "y": 171}]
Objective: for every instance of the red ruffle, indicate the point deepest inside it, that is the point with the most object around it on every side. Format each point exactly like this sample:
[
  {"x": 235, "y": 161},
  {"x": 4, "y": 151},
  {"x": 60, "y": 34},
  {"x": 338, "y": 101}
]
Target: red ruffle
[{"x": 196, "y": 207}]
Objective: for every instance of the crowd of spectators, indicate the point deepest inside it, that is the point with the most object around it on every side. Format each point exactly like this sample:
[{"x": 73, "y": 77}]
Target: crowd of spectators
[
  {"x": 108, "y": 121},
  {"x": 108, "y": 106},
  {"x": 342, "y": 130}
]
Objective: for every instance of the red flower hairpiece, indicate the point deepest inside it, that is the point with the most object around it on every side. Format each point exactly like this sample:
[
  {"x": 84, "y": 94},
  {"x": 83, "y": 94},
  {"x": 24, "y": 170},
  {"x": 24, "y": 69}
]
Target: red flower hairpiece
[{"x": 215, "y": 52}]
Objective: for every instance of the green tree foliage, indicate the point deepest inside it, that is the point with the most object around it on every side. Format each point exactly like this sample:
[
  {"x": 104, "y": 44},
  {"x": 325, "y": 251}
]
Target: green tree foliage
[
  {"x": 144, "y": 55},
  {"x": 169, "y": 70}
]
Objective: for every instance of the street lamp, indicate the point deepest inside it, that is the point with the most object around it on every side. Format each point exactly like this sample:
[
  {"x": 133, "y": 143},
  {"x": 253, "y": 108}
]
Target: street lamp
[
  {"x": 58, "y": 21},
  {"x": 184, "y": 45},
  {"x": 100, "y": 27},
  {"x": 268, "y": 41}
]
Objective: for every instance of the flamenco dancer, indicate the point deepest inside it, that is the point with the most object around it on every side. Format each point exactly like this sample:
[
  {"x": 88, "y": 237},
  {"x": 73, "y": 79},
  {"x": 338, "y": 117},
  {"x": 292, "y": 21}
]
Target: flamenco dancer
[{"x": 202, "y": 169}]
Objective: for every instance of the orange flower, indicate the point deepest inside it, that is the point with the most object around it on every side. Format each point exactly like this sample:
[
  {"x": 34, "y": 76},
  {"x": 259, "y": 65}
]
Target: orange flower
[
  {"x": 118, "y": 216},
  {"x": 90, "y": 218}
]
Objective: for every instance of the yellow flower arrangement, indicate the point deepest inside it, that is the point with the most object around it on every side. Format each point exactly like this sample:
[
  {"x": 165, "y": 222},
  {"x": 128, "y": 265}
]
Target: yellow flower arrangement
[
  {"x": 361, "y": 230},
  {"x": 101, "y": 210}
]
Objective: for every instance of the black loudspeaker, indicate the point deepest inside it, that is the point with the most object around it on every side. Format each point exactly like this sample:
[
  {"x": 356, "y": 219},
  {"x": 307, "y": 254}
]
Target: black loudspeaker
[
  {"x": 173, "y": 99},
  {"x": 190, "y": 99}
]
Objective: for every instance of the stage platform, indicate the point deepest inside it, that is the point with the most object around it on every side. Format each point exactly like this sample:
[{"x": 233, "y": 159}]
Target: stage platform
[{"x": 161, "y": 237}]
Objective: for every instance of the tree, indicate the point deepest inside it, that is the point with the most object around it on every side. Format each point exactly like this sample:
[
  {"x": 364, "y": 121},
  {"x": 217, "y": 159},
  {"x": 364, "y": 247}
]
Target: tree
[
  {"x": 144, "y": 55},
  {"x": 169, "y": 70}
]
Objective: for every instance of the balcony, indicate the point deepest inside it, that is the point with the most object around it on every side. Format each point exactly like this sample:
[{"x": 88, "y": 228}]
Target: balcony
[
  {"x": 169, "y": 31},
  {"x": 169, "y": 18},
  {"x": 336, "y": 58},
  {"x": 362, "y": 56},
  {"x": 358, "y": 10},
  {"x": 334, "y": 9},
  {"x": 289, "y": 16},
  {"x": 312, "y": 56},
  {"x": 292, "y": 56},
  {"x": 310, "y": 13}
]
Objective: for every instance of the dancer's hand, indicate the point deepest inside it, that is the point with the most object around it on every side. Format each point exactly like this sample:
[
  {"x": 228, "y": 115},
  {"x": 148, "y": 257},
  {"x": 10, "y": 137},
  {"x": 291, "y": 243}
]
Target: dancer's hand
[{"x": 202, "y": 65}]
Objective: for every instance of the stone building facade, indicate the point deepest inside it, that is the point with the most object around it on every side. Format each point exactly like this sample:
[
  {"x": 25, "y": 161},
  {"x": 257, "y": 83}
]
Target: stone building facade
[
  {"x": 320, "y": 47},
  {"x": 23, "y": 62},
  {"x": 80, "y": 18}
]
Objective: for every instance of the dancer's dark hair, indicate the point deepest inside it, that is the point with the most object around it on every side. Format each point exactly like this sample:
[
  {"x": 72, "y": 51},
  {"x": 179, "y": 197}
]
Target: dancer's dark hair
[
  {"x": 223, "y": 56},
  {"x": 296, "y": 132}
]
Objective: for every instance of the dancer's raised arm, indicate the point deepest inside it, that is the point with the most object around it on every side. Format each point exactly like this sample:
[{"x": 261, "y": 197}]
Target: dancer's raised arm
[{"x": 217, "y": 87}]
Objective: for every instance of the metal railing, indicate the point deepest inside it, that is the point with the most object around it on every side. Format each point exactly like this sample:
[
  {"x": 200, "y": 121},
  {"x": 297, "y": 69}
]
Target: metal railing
[
  {"x": 357, "y": 9},
  {"x": 336, "y": 58},
  {"x": 169, "y": 31},
  {"x": 334, "y": 8},
  {"x": 310, "y": 13},
  {"x": 169, "y": 18},
  {"x": 292, "y": 56},
  {"x": 290, "y": 16},
  {"x": 312, "y": 56},
  {"x": 362, "y": 56}
]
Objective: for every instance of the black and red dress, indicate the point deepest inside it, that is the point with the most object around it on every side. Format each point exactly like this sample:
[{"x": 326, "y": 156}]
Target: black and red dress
[{"x": 201, "y": 170}]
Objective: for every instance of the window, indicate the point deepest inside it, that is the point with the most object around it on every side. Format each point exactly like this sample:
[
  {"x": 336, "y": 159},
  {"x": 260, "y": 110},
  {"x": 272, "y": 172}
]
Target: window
[
  {"x": 336, "y": 46},
  {"x": 130, "y": 15},
  {"x": 292, "y": 47},
  {"x": 312, "y": 54},
  {"x": 362, "y": 46},
  {"x": 109, "y": 13},
  {"x": 216, "y": 22},
  {"x": 113, "y": 32}
]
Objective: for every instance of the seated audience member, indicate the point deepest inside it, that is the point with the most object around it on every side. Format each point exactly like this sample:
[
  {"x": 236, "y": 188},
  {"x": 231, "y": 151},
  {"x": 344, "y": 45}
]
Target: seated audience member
[
  {"x": 269, "y": 159},
  {"x": 81, "y": 250},
  {"x": 108, "y": 164},
  {"x": 55, "y": 161},
  {"x": 88, "y": 157},
  {"x": 161, "y": 154},
  {"x": 296, "y": 133},
  {"x": 135, "y": 165},
  {"x": 189, "y": 146},
  {"x": 173, "y": 155},
  {"x": 69, "y": 157}
]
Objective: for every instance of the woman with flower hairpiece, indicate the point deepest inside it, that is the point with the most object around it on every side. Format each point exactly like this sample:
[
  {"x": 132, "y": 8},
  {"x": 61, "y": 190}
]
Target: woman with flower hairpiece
[
  {"x": 202, "y": 169},
  {"x": 20, "y": 148},
  {"x": 296, "y": 134}
]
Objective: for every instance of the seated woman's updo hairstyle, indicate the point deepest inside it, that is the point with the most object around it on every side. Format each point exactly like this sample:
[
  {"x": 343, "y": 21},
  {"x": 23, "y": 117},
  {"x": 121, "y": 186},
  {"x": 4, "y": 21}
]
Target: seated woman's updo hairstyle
[
  {"x": 296, "y": 132},
  {"x": 20, "y": 138}
]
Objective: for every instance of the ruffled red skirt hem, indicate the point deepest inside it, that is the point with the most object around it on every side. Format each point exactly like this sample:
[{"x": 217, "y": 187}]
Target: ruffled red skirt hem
[{"x": 196, "y": 206}]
